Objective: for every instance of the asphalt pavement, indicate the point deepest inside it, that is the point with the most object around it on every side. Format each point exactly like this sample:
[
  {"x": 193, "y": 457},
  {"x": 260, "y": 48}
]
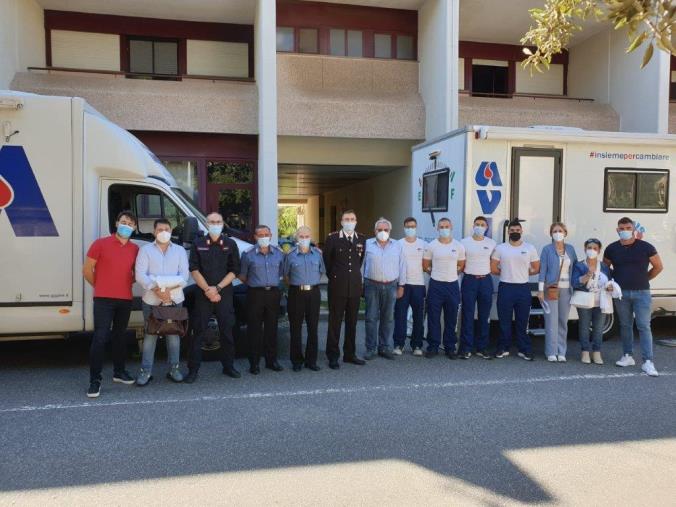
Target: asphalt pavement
[{"x": 413, "y": 431}]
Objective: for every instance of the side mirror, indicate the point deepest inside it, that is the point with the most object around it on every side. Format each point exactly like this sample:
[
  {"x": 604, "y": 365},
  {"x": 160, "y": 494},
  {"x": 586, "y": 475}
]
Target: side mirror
[{"x": 190, "y": 228}]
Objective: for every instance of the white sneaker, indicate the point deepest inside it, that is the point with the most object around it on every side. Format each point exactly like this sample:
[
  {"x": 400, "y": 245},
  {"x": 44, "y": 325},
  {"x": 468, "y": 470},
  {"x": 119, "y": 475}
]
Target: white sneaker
[
  {"x": 398, "y": 351},
  {"x": 551, "y": 359},
  {"x": 649, "y": 369},
  {"x": 561, "y": 359},
  {"x": 625, "y": 360},
  {"x": 417, "y": 352}
]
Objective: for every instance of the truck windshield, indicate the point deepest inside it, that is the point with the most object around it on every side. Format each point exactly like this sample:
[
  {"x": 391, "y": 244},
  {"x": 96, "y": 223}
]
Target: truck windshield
[{"x": 190, "y": 204}]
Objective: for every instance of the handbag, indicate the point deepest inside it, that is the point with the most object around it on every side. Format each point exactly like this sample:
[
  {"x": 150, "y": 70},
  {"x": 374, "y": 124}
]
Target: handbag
[
  {"x": 582, "y": 299},
  {"x": 552, "y": 291},
  {"x": 167, "y": 320}
]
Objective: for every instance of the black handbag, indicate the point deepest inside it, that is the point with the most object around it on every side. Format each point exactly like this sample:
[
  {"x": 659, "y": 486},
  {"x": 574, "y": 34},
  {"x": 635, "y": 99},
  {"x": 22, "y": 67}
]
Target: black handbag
[{"x": 167, "y": 320}]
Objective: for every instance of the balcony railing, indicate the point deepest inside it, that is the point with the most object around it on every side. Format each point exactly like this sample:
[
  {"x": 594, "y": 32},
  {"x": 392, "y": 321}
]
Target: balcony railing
[
  {"x": 527, "y": 95},
  {"x": 143, "y": 75}
]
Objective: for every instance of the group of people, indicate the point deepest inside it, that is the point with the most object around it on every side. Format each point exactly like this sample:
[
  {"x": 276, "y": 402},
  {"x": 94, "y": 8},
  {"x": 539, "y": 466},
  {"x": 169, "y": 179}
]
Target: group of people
[{"x": 390, "y": 274}]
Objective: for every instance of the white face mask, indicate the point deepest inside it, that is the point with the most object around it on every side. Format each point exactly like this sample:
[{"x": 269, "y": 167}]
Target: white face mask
[
  {"x": 263, "y": 242},
  {"x": 383, "y": 236},
  {"x": 558, "y": 236},
  {"x": 163, "y": 237},
  {"x": 592, "y": 254}
]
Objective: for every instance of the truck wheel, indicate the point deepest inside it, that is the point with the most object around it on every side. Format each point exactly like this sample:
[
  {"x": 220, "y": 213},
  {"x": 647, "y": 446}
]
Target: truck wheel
[{"x": 610, "y": 326}]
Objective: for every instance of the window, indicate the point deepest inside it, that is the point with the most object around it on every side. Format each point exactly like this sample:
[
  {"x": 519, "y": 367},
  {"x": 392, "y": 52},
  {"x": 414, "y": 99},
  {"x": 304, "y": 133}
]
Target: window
[
  {"x": 490, "y": 80},
  {"x": 154, "y": 57},
  {"x": 383, "y": 45},
  {"x": 346, "y": 42},
  {"x": 285, "y": 39},
  {"x": 229, "y": 172},
  {"x": 405, "y": 47},
  {"x": 636, "y": 190},
  {"x": 185, "y": 174},
  {"x": 307, "y": 40},
  {"x": 355, "y": 43},
  {"x": 232, "y": 191},
  {"x": 435, "y": 190},
  {"x": 337, "y": 42}
]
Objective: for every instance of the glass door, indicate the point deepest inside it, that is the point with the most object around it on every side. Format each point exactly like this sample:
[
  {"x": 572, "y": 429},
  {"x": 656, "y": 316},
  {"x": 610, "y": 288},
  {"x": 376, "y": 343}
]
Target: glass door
[{"x": 231, "y": 190}]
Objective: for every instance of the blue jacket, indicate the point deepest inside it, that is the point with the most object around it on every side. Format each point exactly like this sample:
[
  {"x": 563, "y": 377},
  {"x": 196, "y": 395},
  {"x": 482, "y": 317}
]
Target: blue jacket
[
  {"x": 550, "y": 263},
  {"x": 580, "y": 269}
]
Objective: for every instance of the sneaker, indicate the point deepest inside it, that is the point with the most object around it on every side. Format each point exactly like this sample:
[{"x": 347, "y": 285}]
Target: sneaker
[
  {"x": 191, "y": 377},
  {"x": 552, "y": 359},
  {"x": 370, "y": 354},
  {"x": 123, "y": 377},
  {"x": 465, "y": 355},
  {"x": 585, "y": 357},
  {"x": 386, "y": 354},
  {"x": 525, "y": 356},
  {"x": 561, "y": 359},
  {"x": 501, "y": 353},
  {"x": 94, "y": 389},
  {"x": 417, "y": 352},
  {"x": 596, "y": 357},
  {"x": 649, "y": 369},
  {"x": 483, "y": 354},
  {"x": 175, "y": 374},
  {"x": 625, "y": 360},
  {"x": 143, "y": 378},
  {"x": 398, "y": 351}
]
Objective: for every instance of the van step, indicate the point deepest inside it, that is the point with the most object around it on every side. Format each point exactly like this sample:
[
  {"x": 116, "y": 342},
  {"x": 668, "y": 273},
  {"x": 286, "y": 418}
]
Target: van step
[{"x": 537, "y": 332}]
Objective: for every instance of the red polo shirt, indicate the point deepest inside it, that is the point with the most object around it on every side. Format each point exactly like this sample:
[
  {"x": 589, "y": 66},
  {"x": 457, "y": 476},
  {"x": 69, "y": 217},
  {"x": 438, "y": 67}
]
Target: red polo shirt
[{"x": 114, "y": 270}]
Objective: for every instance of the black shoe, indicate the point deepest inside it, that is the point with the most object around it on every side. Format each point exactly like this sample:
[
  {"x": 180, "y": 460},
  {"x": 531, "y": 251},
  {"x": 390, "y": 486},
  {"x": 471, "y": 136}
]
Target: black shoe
[
  {"x": 94, "y": 389},
  {"x": 429, "y": 354},
  {"x": 483, "y": 354},
  {"x": 465, "y": 355},
  {"x": 274, "y": 366},
  {"x": 386, "y": 354},
  {"x": 355, "y": 360},
  {"x": 499, "y": 354},
  {"x": 297, "y": 367},
  {"x": 231, "y": 372},
  {"x": 526, "y": 356},
  {"x": 123, "y": 377},
  {"x": 312, "y": 367},
  {"x": 254, "y": 369},
  {"x": 451, "y": 355},
  {"x": 190, "y": 377},
  {"x": 334, "y": 364}
]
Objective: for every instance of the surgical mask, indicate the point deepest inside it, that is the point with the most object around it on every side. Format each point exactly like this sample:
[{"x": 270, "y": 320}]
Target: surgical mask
[
  {"x": 383, "y": 235},
  {"x": 215, "y": 230},
  {"x": 479, "y": 230},
  {"x": 625, "y": 235},
  {"x": 263, "y": 242},
  {"x": 444, "y": 233},
  {"x": 592, "y": 254},
  {"x": 348, "y": 226},
  {"x": 163, "y": 237},
  {"x": 304, "y": 242},
  {"x": 124, "y": 231},
  {"x": 514, "y": 236},
  {"x": 558, "y": 236},
  {"x": 410, "y": 232}
]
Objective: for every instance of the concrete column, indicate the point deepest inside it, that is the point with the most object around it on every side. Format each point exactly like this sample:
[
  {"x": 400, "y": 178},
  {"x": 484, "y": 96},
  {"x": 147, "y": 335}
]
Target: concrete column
[
  {"x": 438, "y": 35},
  {"x": 265, "y": 30}
]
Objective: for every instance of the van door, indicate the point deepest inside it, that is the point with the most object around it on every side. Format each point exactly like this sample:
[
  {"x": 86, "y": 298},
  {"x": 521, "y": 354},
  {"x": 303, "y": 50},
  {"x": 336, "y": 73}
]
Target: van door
[{"x": 536, "y": 191}]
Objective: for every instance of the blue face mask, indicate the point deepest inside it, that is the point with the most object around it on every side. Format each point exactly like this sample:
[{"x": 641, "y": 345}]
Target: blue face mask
[
  {"x": 444, "y": 233},
  {"x": 626, "y": 235},
  {"x": 479, "y": 230},
  {"x": 124, "y": 231},
  {"x": 263, "y": 242},
  {"x": 410, "y": 232},
  {"x": 304, "y": 243},
  {"x": 215, "y": 230}
]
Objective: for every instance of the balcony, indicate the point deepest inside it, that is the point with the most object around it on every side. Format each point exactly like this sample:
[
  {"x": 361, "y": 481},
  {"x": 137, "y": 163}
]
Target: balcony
[
  {"x": 328, "y": 96},
  {"x": 193, "y": 104}
]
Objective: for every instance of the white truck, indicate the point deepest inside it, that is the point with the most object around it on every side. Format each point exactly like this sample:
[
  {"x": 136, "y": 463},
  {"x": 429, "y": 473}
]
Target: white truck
[
  {"x": 544, "y": 174},
  {"x": 65, "y": 173}
]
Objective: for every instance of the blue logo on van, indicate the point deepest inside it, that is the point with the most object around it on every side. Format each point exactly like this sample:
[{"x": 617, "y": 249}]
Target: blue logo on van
[
  {"x": 488, "y": 199},
  {"x": 21, "y": 197}
]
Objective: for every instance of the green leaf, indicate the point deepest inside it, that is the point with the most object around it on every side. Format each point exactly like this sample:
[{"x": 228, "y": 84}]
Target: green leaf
[
  {"x": 640, "y": 39},
  {"x": 647, "y": 55}
]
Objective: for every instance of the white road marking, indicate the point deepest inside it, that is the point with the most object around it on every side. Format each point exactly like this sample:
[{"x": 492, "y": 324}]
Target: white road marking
[{"x": 328, "y": 391}]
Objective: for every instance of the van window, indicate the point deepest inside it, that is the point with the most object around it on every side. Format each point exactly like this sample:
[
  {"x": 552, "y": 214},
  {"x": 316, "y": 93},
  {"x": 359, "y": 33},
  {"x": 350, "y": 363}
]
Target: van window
[{"x": 637, "y": 190}]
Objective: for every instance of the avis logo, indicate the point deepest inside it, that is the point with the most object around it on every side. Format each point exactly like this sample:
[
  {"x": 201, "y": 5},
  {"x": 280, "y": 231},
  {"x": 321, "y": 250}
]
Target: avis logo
[
  {"x": 489, "y": 199},
  {"x": 21, "y": 197}
]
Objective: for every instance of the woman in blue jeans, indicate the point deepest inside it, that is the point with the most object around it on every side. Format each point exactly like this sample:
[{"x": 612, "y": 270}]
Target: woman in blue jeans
[{"x": 591, "y": 275}]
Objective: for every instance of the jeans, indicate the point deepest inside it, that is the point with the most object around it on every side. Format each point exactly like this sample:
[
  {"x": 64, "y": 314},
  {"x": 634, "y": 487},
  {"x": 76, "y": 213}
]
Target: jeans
[
  {"x": 476, "y": 293},
  {"x": 414, "y": 296},
  {"x": 380, "y": 299},
  {"x": 109, "y": 312},
  {"x": 556, "y": 324},
  {"x": 635, "y": 304},
  {"x": 514, "y": 300},
  {"x": 446, "y": 296},
  {"x": 150, "y": 341},
  {"x": 591, "y": 322}
]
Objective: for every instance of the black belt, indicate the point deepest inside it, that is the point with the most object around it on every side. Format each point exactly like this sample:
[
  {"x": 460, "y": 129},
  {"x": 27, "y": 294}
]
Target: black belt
[
  {"x": 263, "y": 288},
  {"x": 381, "y": 283},
  {"x": 477, "y": 276},
  {"x": 302, "y": 287}
]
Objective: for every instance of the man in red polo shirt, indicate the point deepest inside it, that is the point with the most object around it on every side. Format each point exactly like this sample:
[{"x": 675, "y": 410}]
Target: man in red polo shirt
[{"x": 109, "y": 268}]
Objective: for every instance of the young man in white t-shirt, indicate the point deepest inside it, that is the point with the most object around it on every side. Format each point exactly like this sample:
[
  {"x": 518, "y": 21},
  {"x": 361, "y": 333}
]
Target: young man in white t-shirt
[
  {"x": 477, "y": 291},
  {"x": 414, "y": 291},
  {"x": 514, "y": 261},
  {"x": 443, "y": 258}
]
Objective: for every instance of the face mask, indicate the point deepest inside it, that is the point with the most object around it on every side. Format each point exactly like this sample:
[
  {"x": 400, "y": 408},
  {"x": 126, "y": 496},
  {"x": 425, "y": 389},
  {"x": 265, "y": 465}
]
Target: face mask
[
  {"x": 444, "y": 233},
  {"x": 479, "y": 230},
  {"x": 124, "y": 231},
  {"x": 163, "y": 237},
  {"x": 558, "y": 236},
  {"x": 263, "y": 242},
  {"x": 410, "y": 232},
  {"x": 304, "y": 243},
  {"x": 348, "y": 226},
  {"x": 625, "y": 235},
  {"x": 383, "y": 236},
  {"x": 514, "y": 236},
  {"x": 215, "y": 230},
  {"x": 592, "y": 254}
]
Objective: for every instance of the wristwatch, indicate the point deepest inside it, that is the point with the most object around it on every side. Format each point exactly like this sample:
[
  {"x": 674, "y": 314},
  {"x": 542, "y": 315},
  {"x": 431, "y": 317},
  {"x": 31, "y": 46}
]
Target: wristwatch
[{"x": 218, "y": 288}]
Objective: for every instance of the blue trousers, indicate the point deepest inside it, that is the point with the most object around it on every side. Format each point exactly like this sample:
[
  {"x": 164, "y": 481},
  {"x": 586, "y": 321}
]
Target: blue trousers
[
  {"x": 635, "y": 304},
  {"x": 379, "y": 321},
  {"x": 414, "y": 296},
  {"x": 514, "y": 300},
  {"x": 446, "y": 296},
  {"x": 476, "y": 292}
]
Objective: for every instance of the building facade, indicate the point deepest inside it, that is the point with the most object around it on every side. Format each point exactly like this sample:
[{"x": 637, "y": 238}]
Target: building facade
[{"x": 255, "y": 105}]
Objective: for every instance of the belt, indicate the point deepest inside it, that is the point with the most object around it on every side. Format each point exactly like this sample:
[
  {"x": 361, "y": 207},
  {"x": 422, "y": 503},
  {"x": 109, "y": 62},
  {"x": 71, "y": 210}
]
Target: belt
[
  {"x": 263, "y": 288},
  {"x": 476, "y": 276},
  {"x": 381, "y": 283},
  {"x": 303, "y": 287}
]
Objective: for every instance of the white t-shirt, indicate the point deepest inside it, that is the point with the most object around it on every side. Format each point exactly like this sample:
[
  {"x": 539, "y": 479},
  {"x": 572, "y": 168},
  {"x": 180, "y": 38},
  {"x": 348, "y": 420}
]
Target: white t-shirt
[
  {"x": 413, "y": 253},
  {"x": 478, "y": 255},
  {"x": 445, "y": 257},
  {"x": 515, "y": 261}
]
